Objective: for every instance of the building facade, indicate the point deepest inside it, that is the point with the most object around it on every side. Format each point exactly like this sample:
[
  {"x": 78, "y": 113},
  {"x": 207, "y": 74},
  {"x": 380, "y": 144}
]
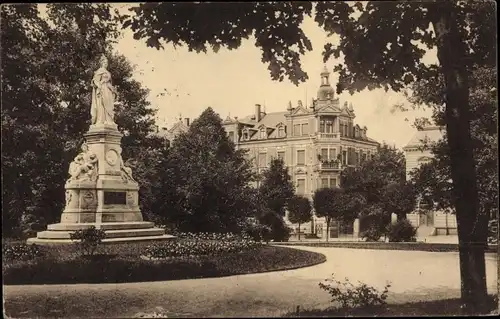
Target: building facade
[
  {"x": 418, "y": 152},
  {"x": 315, "y": 141}
]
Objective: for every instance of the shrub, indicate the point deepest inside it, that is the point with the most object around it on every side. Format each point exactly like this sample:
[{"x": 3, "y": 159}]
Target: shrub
[
  {"x": 372, "y": 233},
  {"x": 311, "y": 236},
  {"x": 401, "y": 231},
  {"x": 89, "y": 240},
  {"x": 493, "y": 231},
  {"x": 350, "y": 296},
  {"x": 21, "y": 252},
  {"x": 258, "y": 232}
]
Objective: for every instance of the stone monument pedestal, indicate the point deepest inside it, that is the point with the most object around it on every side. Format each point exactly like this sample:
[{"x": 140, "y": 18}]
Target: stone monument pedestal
[{"x": 102, "y": 193}]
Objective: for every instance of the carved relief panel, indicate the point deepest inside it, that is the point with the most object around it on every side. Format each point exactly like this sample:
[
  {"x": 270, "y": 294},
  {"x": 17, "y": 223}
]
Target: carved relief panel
[{"x": 88, "y": 199}]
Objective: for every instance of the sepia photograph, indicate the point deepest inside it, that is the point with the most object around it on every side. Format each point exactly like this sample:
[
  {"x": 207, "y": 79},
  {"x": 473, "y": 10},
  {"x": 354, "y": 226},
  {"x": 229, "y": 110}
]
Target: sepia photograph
[{"x": 249, "y": 159}]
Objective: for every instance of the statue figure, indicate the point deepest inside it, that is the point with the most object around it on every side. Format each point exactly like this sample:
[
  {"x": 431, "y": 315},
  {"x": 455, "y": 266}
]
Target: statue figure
[
  {"x": 84, "y": 166},
  {"x": 103, "y": 95},
  {"x": 126, "y": 171}
]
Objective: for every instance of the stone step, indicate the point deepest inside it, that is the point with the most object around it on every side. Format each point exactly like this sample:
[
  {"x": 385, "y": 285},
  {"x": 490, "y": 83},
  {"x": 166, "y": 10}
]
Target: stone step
[
  {"x": 105, "y": 226},
  {"x": 50, "y": 242},
  {"x": 120, "y": 233}
]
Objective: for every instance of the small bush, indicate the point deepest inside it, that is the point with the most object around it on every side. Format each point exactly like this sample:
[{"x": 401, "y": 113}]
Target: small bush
[
  {"x": 311, "y": 236},
  {"x": 373, "y": 233},
  {"x": 401, "y": 231},
  {"x": 258, "y": 232},
  {"x": 350, "y": 296},
  {"x": 21, "y": 252},
  {"x": 88, "y": 240},
  {"x": 493, "y": 231}
]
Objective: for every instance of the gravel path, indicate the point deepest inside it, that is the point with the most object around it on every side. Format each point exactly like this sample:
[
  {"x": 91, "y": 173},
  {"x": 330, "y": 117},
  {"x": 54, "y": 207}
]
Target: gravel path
[{"x": 414, "y": 276}]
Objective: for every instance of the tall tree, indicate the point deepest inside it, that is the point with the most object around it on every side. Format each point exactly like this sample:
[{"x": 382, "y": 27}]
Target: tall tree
[
  {"x": 211, "y": 178},
  {"x": 47, "y": 64},
  {"x": 433, "y": 179},
  {"x": 381, "y": 44},
  {"x": 324, "y": 206},
  {"x": 371, "y": 179},
  {"x": 276, "y": 189},
  {"x": 399, "y": 198},
  {"x": 299, "y": 210}
]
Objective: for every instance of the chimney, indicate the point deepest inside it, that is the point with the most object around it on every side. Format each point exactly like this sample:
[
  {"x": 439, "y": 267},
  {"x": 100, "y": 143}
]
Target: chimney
[
  {"x": 257, "y": 112},
  {"x": 186, "y": 121}
]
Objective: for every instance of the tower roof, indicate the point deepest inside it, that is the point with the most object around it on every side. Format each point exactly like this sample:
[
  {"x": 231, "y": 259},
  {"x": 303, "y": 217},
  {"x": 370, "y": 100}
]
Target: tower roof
[{"x": 325, "y": 91}]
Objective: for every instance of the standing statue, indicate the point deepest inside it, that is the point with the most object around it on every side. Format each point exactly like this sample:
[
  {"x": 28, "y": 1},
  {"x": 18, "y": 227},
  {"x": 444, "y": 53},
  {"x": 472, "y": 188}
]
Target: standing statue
[{"x": 103, "y": 95}]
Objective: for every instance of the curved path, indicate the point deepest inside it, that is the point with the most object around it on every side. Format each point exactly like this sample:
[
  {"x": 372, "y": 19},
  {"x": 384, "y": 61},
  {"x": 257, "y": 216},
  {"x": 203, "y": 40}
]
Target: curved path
[{"x": 414, "y": 276}]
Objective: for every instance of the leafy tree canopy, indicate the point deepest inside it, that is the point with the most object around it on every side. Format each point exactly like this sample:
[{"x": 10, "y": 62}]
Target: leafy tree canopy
[
  {"x": 211, "y": 178},
  {"x": 276, "y": 187},
  {"x": 47, "y": 65},
  {"x": 299, "y": 209}
]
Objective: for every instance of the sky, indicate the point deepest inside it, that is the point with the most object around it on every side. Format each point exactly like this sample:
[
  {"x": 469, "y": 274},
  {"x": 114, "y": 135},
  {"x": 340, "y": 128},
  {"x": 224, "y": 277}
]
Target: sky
[{"x": 183, "y": 83}]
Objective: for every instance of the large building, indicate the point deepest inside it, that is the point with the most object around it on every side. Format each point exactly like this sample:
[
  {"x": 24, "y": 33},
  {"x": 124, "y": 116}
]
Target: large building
[
  {"x": 417, "y": 152},
  {"x": 315, "y": 141}
]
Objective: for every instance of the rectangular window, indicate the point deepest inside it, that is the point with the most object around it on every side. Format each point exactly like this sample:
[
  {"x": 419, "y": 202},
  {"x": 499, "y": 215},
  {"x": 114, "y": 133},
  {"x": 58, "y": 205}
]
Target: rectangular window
[
  {"x": 263, "y": 133},
  {"x": 305, "y": 129},
  {"x": 333, "y": 154},
  {"x": 262, "y": 160},
  {"x": 344, "y": 157},
  {"x": 301, "y": 157},
  {"x": 301, "y": 186},
  {"x": 231, "y": 136},
  {"x": 324, "y": 154},
  {"x": 329, "y": 126},
  {"x": 322, "y": 126},
  {"x": 281, "y": 155},
  {"x": 324, "y": 183},
  {"x": 281, "y": 132},
  {"x": 296, "y": 130},
  {"x": 333, "y": 182},
  {"x": 349, "y": 156}
]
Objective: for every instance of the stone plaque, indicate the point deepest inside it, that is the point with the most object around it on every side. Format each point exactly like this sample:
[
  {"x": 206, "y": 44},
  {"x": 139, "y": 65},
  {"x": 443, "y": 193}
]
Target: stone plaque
[{"x": 115, "y": 198}]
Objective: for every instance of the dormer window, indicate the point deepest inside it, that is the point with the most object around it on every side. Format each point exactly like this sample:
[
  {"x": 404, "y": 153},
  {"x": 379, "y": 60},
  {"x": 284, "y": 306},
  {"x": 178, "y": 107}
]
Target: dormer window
[
  {"x": 263, "y": 134},
  {"x": 281, "y": 131},
  {"x": 245, "y": 135}
]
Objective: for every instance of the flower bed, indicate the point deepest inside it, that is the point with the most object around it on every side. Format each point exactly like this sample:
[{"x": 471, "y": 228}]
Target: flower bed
[
  {"x": 200, "y": 245},
  {"x": 62, "y": 267}
]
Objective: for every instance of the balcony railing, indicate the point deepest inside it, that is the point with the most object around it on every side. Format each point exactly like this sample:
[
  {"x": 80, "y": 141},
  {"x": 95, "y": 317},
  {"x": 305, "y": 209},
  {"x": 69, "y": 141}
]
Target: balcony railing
[{"x": 329, "y": 165}]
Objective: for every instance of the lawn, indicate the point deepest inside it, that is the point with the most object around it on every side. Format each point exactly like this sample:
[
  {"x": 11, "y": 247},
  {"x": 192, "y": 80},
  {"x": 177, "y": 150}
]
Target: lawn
[
  {"x": 126, "y": 263},
  {"x": 431, "y": 247},
  {"x": 446, "y": 307}
]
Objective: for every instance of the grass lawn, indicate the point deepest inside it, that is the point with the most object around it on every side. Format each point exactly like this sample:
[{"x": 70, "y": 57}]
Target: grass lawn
[
  {"x": 431, "y": 247},
  {"x": 123, "y": 263},
  {"x": 449, "y": 307}
]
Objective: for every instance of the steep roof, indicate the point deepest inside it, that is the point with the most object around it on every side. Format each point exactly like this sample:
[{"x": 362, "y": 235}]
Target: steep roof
[
  {"x": 268, "y": 120},
  {"x": 430, "y": 134}
]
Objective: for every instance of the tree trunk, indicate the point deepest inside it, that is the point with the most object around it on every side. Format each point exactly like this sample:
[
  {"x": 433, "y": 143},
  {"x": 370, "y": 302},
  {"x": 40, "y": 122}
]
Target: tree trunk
[
  {"x": 472, "y": 227},
  {"x": 299, "y": 231},
  {"x": 327, "y": 228}
]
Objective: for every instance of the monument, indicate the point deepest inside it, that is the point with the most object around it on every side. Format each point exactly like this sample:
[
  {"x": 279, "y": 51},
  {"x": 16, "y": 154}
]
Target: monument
[{"x": 101, "y": 190}]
